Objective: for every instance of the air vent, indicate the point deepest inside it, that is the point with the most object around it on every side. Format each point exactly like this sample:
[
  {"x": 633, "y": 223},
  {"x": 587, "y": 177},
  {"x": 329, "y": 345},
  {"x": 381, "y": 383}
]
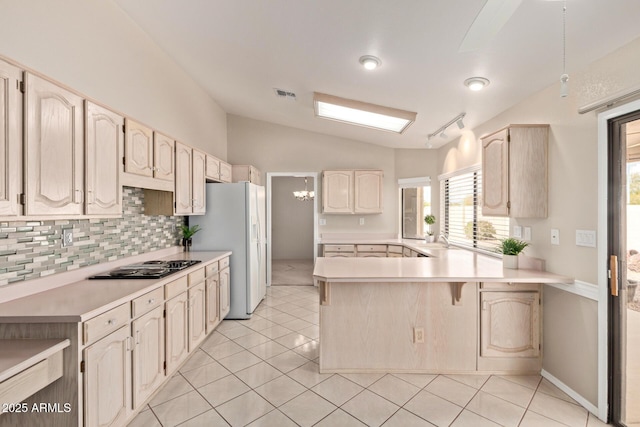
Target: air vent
[{"x": 285, "y": 94}]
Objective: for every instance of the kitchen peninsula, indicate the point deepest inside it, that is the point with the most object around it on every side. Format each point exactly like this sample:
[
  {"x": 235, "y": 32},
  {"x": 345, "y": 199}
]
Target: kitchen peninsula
[{"x": 453, "y": 311}]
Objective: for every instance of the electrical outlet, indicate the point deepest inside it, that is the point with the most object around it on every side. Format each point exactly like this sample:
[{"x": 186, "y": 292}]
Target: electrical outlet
[
  {"x": 527, "y": 234},
  {"x": 517, "y": 232},
  {"x": 323, "y": 221},
  {"x": 555, "y": 236},
  {"x": 67, "y": 237},
  {"x": 418, "y": 335},
  {"x": 361, "y": 221}
]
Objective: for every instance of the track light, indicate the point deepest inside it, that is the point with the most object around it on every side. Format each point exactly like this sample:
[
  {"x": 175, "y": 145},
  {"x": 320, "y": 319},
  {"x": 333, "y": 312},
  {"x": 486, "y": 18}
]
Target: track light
[
  {"x": 460, "y": 123},
  {"x": 443, "y": 135},
  {"x": 440, "y": 131}
]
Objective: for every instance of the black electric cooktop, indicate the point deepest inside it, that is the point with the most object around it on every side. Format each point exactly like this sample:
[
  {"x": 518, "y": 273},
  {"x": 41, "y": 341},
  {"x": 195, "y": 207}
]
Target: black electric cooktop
[{"x": 146, "y": 270}]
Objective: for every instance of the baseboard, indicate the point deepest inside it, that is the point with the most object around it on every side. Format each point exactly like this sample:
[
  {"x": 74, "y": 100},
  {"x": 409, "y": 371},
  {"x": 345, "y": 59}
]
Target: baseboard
[{"x": 571, "y": 393}]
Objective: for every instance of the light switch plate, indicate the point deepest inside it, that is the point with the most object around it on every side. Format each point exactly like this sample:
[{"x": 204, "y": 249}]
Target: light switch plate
[
  {"x": 517, "y": 232},
  {"x": 586, "y": 238},
  {"x": 67, "y": 237},
  {"x": 555, "y": 236},
  {"x": 361, "y": 221},
  {"x": 527, "y": 234},
  {"x": 323, "y": 221}
]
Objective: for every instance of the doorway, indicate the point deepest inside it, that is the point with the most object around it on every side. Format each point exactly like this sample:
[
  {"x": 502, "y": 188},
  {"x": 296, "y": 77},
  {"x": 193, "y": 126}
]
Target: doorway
[
  {"x": 291, "y": 228},
  {"x": 624, "y": 250}
]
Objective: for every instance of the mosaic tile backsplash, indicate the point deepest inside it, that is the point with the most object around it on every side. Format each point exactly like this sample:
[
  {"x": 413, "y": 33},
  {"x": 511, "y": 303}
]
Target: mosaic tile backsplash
[{"x": 31, "y": 249}]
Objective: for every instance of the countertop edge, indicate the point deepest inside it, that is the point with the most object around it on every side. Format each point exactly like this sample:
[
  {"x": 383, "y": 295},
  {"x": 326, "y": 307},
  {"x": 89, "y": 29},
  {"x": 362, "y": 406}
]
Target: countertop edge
[{"x": 33, "y": 358}]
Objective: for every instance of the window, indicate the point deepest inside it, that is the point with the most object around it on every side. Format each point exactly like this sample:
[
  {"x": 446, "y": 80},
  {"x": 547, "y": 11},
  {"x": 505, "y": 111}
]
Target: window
[
  {"x": 461, "y": 216},
  {"x": 416, "y": 204}
]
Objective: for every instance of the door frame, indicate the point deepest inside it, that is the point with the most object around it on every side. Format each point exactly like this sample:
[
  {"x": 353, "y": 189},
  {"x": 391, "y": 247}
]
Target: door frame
[
  {"x": 269, "y": 190},
  {"x": 603, "y": 252}
]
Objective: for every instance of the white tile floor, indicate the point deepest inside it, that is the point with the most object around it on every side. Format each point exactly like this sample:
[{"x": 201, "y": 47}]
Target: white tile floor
[{"x": 264, "y": 372}]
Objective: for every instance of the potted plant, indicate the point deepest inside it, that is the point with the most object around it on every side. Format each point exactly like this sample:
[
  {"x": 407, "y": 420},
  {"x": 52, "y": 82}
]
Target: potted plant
[
  {"x": 430, "y": 220},
  {"x": 187, "y": 233},
  {"x": 510, "y": 248}
]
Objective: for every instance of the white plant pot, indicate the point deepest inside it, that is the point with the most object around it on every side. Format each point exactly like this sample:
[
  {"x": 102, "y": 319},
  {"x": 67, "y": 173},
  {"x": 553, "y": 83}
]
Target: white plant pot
[
  {"x": 429, "y": 239},
  {"x": 510, "y": 261}
]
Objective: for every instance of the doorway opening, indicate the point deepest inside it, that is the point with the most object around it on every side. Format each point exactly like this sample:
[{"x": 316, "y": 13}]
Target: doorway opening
[{"x": 291, "y": 228}]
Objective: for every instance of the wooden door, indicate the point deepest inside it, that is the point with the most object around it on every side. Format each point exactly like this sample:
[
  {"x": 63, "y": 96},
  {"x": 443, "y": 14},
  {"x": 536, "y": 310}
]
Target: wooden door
[
  {"x": 10, "y": 140},
  {"x": 199, "y": 183},
  {"x": 197, "y": 328},
  {"x": 163, "y": 157},
  {"x": 148, "y": 355},
  {"x": 212, "y": 306},
  {"x": 225, "y": 292},
  {"x": 510, "y": 324},
  {"x": 495, "y": 174},
  {"x": 177, "y": 331},
  {"x": 213, "y": 168},
  {"x": 138, "y": 149},
  {"x": 337, "y": 192},
  {"x": 103, "y": 141},
  {"x": 54, "y": 138},
  {"x": 107, "y": 380},
  {"x": 183, "y": 179},
  {"x": 368, "y": 191}
]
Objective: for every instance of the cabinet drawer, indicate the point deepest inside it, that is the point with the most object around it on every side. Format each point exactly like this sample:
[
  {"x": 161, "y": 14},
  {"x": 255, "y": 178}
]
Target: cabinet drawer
[
  {"x": 211, "y": 269},
  {"x": 147, "y": 302},
  {"x": 372, "y": 254},
  {"x": 176, "y": 287},
  {"x": 395, "y": 255},
  {"x": 371, "y": 248},
  {"x": 395, "y": 249},
  {"x": 224, "y": 263},
  {"x": 509, "y": 286},
  {"x": 339, "y": 248},
  {"x": 339, "y": 255},
  {"x": 196, "y": 277},
  {"x": 406, "y": 252},
  {"x": 105, "y": 323}
]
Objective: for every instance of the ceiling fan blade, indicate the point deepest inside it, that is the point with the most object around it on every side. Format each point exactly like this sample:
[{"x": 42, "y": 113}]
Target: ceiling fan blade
[{"x": 488, "y": 23}]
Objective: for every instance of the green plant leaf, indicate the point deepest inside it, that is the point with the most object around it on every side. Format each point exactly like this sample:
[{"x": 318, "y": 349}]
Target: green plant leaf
[
  {"x": 188, "y": 232},
  {"x": 511, "y": 246}
]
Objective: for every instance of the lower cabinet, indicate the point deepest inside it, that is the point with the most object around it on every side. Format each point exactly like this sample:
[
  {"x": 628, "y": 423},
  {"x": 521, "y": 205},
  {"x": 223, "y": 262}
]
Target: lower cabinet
[
  {"x": 197, "y": 328},
  {"x": 177, "y": 331},
  {"x": 225, "y": 292},
  {"x": 212, "y": 300},
  {"x": 107, "y": 380},
  {"x": 148, "y": 354}
]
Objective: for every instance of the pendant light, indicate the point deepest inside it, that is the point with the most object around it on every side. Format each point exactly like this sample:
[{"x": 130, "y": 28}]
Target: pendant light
[
  {"x": 564, "y": 78},
  {"x": 305, "y": 195}
]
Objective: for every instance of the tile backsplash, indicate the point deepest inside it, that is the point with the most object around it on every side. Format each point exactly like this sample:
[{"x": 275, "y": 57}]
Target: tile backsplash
[{"x": 31, "y": 249}]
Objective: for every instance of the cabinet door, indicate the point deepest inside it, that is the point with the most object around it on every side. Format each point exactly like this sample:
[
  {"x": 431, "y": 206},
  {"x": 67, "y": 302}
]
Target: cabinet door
[
  {"x": 225, "y": 172},
  {"x": 183, "y": 179},
  {"x": 197, "y": 329},
  {"x": 225, "y": 292},
  {"x": 54, "y": 137},
  {"x": 176, "y": 321},
  {"x": 103, "y": 141},
  {"x": 138, "y": 149},
  {"x": 256, "y": 175},
  {"x": 199, "y": 182},
  {"x": 213, "y": 168},
  {"x": 163, "y": 161},
  {"x": 10, "y": 140},
  {"x": 107, "y": 380},
  {"x": 495, "y": 174},
  {"x": 337, "y": 192},
  {"x": 368, "y": 191},
  {"x": 148, "y": 355},
  {"x": 510, "y": 324},
  {"x": 213, "y": 308}
]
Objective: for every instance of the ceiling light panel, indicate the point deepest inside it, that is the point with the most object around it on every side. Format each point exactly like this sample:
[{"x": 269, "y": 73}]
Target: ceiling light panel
[{"x": 362, "y": 113}]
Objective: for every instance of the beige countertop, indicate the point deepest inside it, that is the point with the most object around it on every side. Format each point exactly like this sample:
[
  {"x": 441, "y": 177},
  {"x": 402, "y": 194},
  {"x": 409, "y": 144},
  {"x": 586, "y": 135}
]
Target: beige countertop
[
  {"x": 444, "y": 265},
  {"x": 18, "y": 355},
  {"x": 81, "y": 300}
]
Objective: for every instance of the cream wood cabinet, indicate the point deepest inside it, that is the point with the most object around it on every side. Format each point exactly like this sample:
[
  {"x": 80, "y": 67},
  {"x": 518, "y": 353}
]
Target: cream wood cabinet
[
  {"x": 197, "y": 328},
  {"x": 104, "y": 133},
  {"x": 107, "y": 380},
  {"x": 184, "y": 179},
  {"x": 514, "y": 172},
  {"x": 138, "y": 154},
  {"x": 225, "y": 292},
  {"x": 198, "y": 183},
  {"x": 163, "y": 157},
  {"x": 54, "y": 149},
  {"x": 212, "y": 170},
  {"x": 10, "y": 140},
  {"x": 177, "y": 331},
  {"x": 225, "y": 172},
  {"x": 212, "y": 297},
  {"x": 339, "y": 251},
  {"x": 248, "y": 173},
  {"x": 148, "y": 354},
  {"x": 352, "y": 192}
]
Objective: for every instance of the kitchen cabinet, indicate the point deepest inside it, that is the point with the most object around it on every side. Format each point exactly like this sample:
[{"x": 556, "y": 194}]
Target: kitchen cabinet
[
  {"x": 225, "y": 291},
  {"x": 514, "y": 172},
  {"x": 248, "y": 173},
  {"x": 199, "y": 183},
  {"x": 371, "y": 251},
  {"x": 148, "y": 354},
  {"x": 190, "y": 181},
  {"x": 177, "y": 331},
  {"x": 225, "y": 172},
  {"x": 10, "y": 140},
  {"x": 339, "y": 251},
  {"x": 163, "y": 157},
  {"x": 197, "y": 328},
  {"x": 107, "y": 380},
  {"x": 212, "y": 170},
  {"x": 54, "y": 149},
  {"x": 212, "y": 297},
  {"x": 352, "y": 192},
  {"x": 103, "y": 140},
  {"x": 138, "y": 154}
]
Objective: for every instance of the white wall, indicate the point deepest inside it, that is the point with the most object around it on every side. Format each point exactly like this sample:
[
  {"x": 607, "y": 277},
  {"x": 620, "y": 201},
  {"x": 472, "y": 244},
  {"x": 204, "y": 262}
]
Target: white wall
[
  {"x": 291, "y": 219},
  {"x": 94, "y": 48}
]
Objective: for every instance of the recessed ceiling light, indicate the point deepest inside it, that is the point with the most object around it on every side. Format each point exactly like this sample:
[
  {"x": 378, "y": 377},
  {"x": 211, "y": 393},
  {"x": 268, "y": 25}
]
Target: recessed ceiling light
[
  {"x": 476, "y": 83},
  {"x": 370, "y": 62},
  {"x": 362, "y": 113}
]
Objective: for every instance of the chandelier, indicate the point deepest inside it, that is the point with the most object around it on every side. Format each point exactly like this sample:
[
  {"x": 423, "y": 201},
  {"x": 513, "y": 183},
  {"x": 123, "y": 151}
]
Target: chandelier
[{"x": 304, "y": 195}]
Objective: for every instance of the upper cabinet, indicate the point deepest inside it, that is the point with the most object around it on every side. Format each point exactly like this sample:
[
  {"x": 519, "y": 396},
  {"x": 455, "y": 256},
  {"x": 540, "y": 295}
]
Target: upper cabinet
[
  {"x": 248, "y": 173},
  {"x": 104, "y": 132},
  {"x": 10, "y": 140},
  {"x": 138, "y": 149},
  {"x": 184, "y": 181},
  {"x": 212, "y": 169},
  {"x": 198, "y": 182},
  {"x": 163, "y": 157},
  {"x": 352, "y": 192},
  {"x": 514, "y": 172},
  {"x": 54, "y": 149},
  {"x": 225, "y": 172}
]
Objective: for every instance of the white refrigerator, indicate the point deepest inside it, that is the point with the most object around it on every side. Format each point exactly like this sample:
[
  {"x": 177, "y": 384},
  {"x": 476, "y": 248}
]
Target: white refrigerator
[{"x": 235, "y": 221}]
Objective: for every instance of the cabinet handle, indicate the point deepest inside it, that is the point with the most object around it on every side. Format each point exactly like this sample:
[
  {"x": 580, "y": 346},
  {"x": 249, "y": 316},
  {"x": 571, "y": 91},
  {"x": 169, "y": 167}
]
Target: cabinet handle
[
  {"x": 79, "y": 196},
  {"x": 128, "y": 345},
  {"x": 137, "y": 337},
  {"x": 90, "y": 197},
  {"x": 485, "y": 305},
  {"x": 111, "y": 322},
  {"x": 151, "y": 301}
]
